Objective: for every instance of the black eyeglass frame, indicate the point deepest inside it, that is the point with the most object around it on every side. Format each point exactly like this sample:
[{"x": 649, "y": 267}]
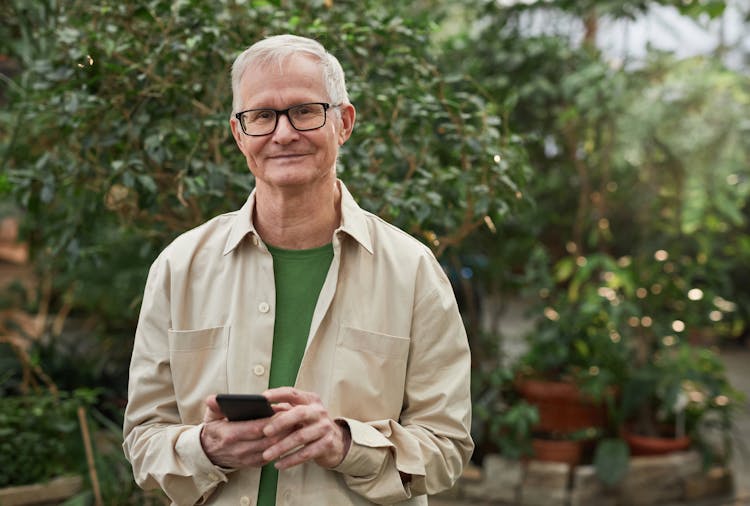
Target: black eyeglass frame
[{"x": 285, "y": 112}]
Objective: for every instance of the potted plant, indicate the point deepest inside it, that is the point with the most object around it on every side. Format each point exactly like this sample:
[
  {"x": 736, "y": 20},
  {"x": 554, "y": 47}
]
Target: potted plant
[
  {"x": 571, "y": 447},
  {"x": 613, "y": 332},
  {"x": 679, "y": 399},
  {"x": 577, "y": 355},
  {"x": 668, "y": 400},
  {"x": 674, "y": 392}
]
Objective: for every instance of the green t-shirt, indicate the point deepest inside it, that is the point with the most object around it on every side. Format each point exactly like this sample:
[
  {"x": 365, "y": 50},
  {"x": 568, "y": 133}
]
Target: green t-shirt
[{"x": 299, "y": 277}]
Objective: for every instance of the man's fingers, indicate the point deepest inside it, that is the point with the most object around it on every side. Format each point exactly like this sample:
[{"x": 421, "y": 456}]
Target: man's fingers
[
  {"x": 291, "y": 396},
  {"x": 281, "y": 406},
  {"x": 235, "y": 444},
  {"x": 291, "y": 419},
  {"x": 311, "y": 451},
  {"x": 295, "y": 439},
  {"x": 302, "y": 430}
]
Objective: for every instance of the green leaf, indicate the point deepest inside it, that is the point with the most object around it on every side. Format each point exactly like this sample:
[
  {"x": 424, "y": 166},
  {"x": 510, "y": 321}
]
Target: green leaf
[
  {"x": 611, "y": 460},
  {"x": 564, "y": 269}
]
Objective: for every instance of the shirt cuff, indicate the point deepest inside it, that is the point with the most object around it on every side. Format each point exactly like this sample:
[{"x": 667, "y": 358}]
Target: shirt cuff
[
  {"x": 365, "y": 456},
  {"x": 207, "y": 475}
]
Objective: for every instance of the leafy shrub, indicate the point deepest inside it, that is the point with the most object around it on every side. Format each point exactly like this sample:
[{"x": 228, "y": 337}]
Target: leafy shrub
[
  {"x": 125, "y": 140},
  {"x": 40, "y": 436}
]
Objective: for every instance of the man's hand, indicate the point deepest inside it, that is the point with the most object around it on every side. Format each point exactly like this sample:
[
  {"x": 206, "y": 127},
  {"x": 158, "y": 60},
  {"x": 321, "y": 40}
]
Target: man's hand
[
  {"x": 303, "y": 431},
  {"x": 233, "y": 444}
]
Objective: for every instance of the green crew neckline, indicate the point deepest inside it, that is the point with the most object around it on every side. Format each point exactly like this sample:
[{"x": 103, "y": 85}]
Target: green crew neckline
[{"x": 299, "y": 253}]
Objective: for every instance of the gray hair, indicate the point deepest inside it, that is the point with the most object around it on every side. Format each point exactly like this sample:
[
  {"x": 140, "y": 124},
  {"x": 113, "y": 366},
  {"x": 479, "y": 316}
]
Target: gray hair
[{"x": 275, "y": 50}]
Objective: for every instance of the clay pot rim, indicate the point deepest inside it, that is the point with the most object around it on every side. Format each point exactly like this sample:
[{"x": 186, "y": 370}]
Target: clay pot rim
[
  {"x": 641, "y": 439},
  {"x": 545, "y": 389}
]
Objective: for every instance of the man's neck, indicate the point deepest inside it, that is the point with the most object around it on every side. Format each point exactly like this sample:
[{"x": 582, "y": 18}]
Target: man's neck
[{"x": 297, "y": 218}]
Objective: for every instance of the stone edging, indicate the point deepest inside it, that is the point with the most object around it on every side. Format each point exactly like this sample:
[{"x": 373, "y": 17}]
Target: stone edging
[
  {"x": 677, "y": 477},
  {"x": 54, "y": 490}
]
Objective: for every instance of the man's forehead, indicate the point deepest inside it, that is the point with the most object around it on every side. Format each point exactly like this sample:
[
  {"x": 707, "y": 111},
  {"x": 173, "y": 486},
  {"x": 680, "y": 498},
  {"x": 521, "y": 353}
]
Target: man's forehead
[
  {"x": 292, "y": 63},
  {"x": 297, "y": 74}
]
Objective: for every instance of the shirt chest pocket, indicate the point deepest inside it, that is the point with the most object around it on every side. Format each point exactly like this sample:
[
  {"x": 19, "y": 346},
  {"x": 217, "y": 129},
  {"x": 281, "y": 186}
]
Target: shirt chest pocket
[
  {"x": 198, "y": 361},
  {"x": 369, "y": 374}
]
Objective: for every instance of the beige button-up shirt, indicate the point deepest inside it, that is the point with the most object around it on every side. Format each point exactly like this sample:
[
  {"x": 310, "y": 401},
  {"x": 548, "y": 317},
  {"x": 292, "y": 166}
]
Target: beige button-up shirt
[{"x": 387, "y": 353}]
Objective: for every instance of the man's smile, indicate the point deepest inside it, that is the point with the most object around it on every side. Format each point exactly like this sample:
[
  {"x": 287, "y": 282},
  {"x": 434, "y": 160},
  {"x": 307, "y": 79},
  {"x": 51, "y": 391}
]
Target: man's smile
[{"x": 286, "y": 156}]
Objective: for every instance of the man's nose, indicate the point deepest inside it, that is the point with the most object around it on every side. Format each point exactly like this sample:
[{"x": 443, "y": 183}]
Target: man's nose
[{"x": 284, "y": 132}]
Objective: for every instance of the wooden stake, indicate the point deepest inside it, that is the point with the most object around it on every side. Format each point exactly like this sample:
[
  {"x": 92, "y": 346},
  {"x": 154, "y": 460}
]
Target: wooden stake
[{"x": 89, "y": 455}]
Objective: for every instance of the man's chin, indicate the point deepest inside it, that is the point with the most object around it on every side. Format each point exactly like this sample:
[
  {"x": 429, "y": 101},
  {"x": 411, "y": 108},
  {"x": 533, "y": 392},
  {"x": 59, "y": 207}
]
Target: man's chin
[{"x": 290, "y": 176}]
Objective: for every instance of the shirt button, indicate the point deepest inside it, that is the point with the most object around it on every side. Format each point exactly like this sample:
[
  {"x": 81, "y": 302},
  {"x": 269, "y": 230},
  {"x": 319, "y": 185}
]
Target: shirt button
[
  {"x": 258, "y": 370},
  {"x": 263, "y": 307},
  {"x": 213, "y": 476},
  {"x": 288, "y": 497},
  {"x": 245, "y": 500}
]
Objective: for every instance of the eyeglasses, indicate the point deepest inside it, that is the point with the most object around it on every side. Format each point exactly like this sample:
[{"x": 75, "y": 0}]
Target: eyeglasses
[{"x": 302, "y": 117}]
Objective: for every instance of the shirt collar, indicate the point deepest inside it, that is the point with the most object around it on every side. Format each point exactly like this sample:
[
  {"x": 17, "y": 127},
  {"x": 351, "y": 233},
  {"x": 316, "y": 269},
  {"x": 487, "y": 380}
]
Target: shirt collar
[
  {"x": 353, "y": 221},
  {"x": 242, "y": 224}
]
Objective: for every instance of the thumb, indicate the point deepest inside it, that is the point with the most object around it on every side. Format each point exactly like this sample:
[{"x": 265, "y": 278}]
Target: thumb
[{"x": 212, "y": 412}]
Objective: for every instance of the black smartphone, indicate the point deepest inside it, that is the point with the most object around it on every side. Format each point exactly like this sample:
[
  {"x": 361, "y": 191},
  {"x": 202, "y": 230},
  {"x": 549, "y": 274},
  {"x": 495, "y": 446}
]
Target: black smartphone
[{"x": 238, "y": 407}]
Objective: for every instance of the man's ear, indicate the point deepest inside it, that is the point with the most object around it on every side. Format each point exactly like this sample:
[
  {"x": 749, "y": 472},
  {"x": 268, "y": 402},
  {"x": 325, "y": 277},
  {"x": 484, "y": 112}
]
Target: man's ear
[
  {"x": 348, "y": 117},
  {"x": 236, "y": 132}
]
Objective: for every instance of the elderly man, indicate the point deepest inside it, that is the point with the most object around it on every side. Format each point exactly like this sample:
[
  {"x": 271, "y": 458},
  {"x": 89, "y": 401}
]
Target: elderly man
[{"x": 347, "y": 325}]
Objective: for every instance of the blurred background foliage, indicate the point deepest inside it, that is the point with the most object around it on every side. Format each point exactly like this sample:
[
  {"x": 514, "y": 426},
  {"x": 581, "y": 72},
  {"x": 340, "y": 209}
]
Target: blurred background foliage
[{"x": 515, "y": 152}]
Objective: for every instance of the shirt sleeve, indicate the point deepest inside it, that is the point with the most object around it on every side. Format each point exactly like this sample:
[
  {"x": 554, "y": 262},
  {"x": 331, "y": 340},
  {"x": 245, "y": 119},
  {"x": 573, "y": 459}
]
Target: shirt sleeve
[
  {"x": 431, "y": 441},
  {"x": 164, "y": 452}
]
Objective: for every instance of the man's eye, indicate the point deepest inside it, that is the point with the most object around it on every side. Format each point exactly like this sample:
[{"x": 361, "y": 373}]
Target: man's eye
[
  {"x": 261, "y": 116},
  {"x": 304, "y": 111}
]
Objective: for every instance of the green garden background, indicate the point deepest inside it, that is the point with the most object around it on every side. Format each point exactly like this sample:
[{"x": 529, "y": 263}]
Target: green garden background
[{"x": 606, "y": 195}]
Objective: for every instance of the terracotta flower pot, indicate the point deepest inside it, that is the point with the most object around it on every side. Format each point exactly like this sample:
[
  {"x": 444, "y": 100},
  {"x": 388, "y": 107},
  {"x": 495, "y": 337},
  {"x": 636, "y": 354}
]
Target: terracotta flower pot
[
  {"x": 563, "y": 408},
  {"x": 654, "y": 445},
  {"x": 552, "y": 450}
]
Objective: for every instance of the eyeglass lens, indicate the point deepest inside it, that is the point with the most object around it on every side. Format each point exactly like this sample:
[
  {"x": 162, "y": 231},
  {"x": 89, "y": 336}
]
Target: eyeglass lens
[{"x": 302, "y": 117}]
